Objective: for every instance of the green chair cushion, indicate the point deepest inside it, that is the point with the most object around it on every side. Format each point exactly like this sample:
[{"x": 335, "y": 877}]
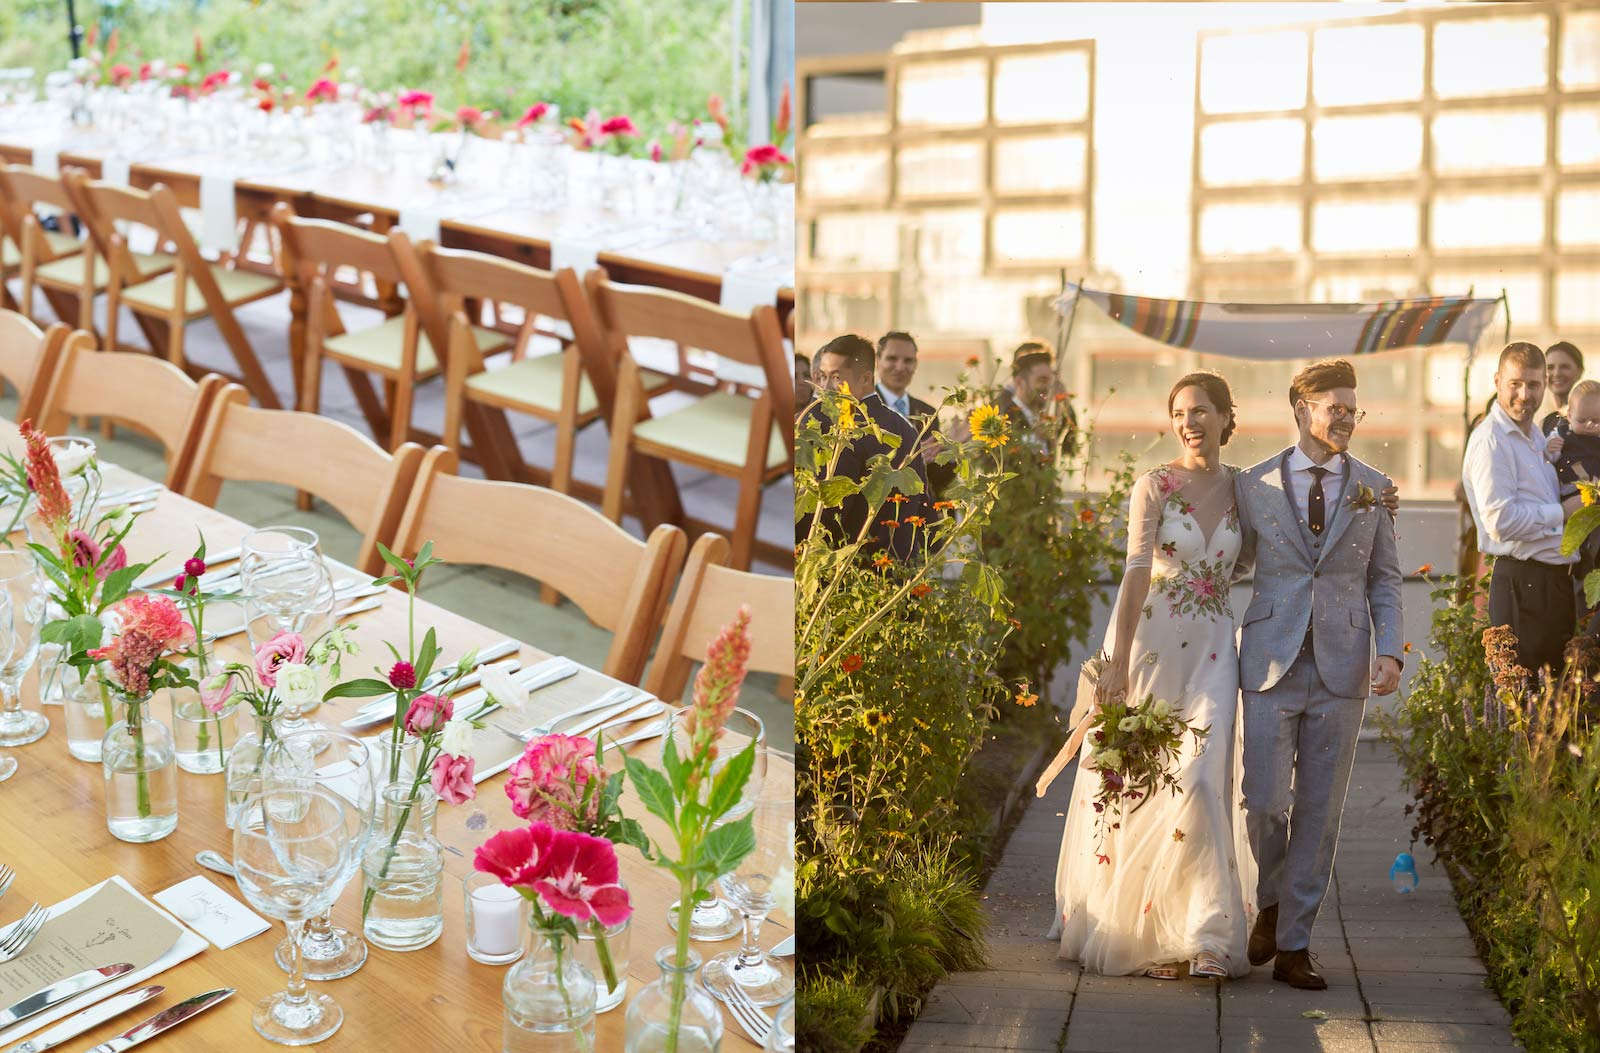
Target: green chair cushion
[
  {"x": 715, "y": 427},
  {"x": 236, "y": 287},
  {"x": 60, "y": 245},
  {"x": 537, "y": 382},
  {"x": 380, "y": 345},
  {"x": 70, "y": 270}
]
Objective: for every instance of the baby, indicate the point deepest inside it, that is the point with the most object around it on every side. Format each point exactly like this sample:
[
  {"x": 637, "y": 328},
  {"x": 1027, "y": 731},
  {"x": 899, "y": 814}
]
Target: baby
[{"x": 1577, "y": 457}]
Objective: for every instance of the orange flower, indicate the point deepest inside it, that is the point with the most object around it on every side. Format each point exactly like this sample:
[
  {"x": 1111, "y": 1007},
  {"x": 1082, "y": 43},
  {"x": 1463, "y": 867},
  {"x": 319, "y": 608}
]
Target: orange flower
[
  {"x": 1060, "y": 396},
  {"x": 1407, "y": 649},
  {"x": 899, "y": 499},
  {"x": 881, "y": 560},
  {"x": 1014, "y": 623},
  {"x": 921, "y": 589},
  {"x": 1026, "y": 698},
  {"x": 939, "y": 506},
  {"x": 889, "y": 522},
  {"x": 1086, "y": 515},
  {"x": 851, "y": 663},
  {"x": 1177, "y": 835},
  {"x": 972, "y": 361},
  {"x": 1425, "y": 568},
  {"x": 916, "y": 520}
]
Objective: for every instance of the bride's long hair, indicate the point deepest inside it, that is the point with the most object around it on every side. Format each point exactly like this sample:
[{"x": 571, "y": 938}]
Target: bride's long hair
[{"x": 1216, "y": 388}]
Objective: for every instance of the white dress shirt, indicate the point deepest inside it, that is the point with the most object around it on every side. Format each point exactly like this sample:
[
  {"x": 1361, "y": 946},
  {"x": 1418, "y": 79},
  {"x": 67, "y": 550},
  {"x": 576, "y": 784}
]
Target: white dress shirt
[
  {"x": 1300, "y": 465},
  {"x": 901, "y": 404},
  {"x": 1513, "y": 492}
]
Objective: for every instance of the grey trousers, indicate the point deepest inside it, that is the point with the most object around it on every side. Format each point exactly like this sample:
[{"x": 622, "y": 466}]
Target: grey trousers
[{"x": 1299, "y": 746}]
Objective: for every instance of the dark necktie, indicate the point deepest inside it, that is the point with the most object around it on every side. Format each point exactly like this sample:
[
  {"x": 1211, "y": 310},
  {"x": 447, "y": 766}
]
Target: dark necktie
[{"x": 1316, "y": 504}]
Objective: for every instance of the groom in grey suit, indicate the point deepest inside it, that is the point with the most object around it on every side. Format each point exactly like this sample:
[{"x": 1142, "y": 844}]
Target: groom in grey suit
[{"x": 1327, "y": 587}]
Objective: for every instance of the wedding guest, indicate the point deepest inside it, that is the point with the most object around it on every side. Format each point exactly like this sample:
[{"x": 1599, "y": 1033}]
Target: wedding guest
[
  {"x": 1034, "y": 387},
  {"x": 1517, "y": 507},
  {"x": 846, "y": 363},
  {"x": 897, "y": 367},
  {"x": 1578, "y": 459},
  {"x": 1563, "y": 367},
  {"x": 802, "y": 384}
]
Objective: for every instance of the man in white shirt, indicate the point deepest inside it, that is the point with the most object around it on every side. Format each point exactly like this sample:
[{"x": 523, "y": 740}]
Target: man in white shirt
[{"x": 1517, "y": 508}]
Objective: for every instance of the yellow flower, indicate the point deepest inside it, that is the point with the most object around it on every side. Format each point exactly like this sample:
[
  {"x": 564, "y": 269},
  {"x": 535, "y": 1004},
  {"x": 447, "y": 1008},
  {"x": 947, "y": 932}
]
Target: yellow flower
[
  {"x": 876, "y": 720},
  {"x": 988, "y": 426},
  {"x": 1587, "y": 492}
]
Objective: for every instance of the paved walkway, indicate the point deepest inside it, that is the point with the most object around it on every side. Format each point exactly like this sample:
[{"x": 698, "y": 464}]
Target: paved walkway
[{"x": 1403, "y": 975}]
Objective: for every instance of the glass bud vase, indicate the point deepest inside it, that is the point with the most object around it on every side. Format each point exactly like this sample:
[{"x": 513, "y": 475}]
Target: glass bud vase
[
  {"x": 588, "y": 952},
  {"x": 549, "y": 998},
  {"x": 242, "y": 772},
  {"x": 89, "y": 708},
  {"x": 141, "y": 775},
  {"x": 397, "y": 757},
  {"x": 203, "y": 737},
  {"x": 402, "y": 873},
  {"x": 674, "y": 1014}
]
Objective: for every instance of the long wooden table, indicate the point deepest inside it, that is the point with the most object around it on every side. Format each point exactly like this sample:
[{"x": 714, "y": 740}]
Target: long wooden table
[{"x": 53, "y": 832}]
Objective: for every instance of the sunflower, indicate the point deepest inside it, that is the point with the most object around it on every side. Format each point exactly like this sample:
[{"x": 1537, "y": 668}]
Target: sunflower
[
  {"x": 876, "y": 720},
  {"x": 1587, "y": 492},
  {"x": 988, "y": 427}
]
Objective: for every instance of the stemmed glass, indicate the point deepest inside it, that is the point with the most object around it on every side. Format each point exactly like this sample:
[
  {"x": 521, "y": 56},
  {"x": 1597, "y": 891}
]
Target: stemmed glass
[
  {"x": 8, "y": 765},
  {"x": 23, "y": 585},
  {"x": 328, "y": 952},
  {"x": 291, "y": 594},
  {"x": 713, "y": 920},
  {"x": 765, "y": 979},
  {"x": 292, "y": 848},
  {"x": 276, "y": 544}
]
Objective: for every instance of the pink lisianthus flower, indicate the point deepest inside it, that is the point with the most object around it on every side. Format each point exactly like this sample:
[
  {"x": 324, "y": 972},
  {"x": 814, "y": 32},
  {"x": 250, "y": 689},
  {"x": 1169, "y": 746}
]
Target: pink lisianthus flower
[
  {"x": 533, "y": 114},
  {"x": 619, "y": 125},
  {"x": 452, "y": 778},
  {"x": 85, "y": 549},
  {"x": 214, "y": 692},
  {"x": 580, "y": 879},
  {"x": 322, "y": 89},
  {"x": 285, "y": 647},
  {"x": 516, "y": 857},
  {"x": 113, "y": 563},
  {"x": 547, "y": 783},
  {"x": 428, "y": 714}
]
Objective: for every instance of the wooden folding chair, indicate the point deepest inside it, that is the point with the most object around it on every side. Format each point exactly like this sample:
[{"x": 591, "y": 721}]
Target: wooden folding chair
[
  {"x": 56, "y": 262},
  {"x": 190, "y": 290},
  {"x": 619, "y": 582},
  {"x": 553, "y": 387},
  {"x": 364, "y": 483},
  {"x": 399, "y": 349},
  {"x": 29, "y": 358},
  {"x": 166, "y": 403},
  {"x": 709, "y": 596},
  {"x": 725, "y": 433}
]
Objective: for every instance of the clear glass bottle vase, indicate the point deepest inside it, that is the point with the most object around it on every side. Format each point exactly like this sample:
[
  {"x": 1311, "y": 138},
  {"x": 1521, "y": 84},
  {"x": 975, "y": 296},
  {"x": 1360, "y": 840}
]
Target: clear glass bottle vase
[
  {"x": 242, "y": 773},
  {"x": 89, "y": 707},
  {"x": 402, "y": 872},
  {"x": 674, "y": 1014},
  {"x": 617, "y": 945},
  {"x": 141, "y": 776},
  {"x": 549, "y": 997}
]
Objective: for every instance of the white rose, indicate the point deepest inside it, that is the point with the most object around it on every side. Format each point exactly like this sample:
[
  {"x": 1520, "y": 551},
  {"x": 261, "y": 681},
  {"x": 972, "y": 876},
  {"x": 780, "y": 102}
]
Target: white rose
[
  {"x": 1108, "y": 760},
  {"x": 1162, "y": 709},
  {"x": 1128, "y": 724},
  {"x": 297, "y": 684},
  {"x": 72, "y": 457},
  {"x": 457, "y": 738},
  {"x": 499, "y": 683}
]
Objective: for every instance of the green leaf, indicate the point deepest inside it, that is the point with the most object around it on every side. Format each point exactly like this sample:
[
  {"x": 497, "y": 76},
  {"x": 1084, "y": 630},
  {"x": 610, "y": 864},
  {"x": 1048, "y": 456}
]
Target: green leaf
[
  {"x": 833, "y": 491},
  {"x": 393, "y": 560},
  {"x": 653, "y": 790},
  {"x": 729, "y": 784},
  {"x": 726, "y": 846},
  {"x": 629, "y": 832},
  {"x": 200, "y": 551},
  {"x": 1591, "y": 588},
  {"x": 74, "y": 634},
  {"x": 677, "y": 771},
  {"x": 427, "y": 654},
  {"x": 117, "y": 584},
  {"x": 1583, "y": 521},
  {"x": 363, "y": 688},
  {"x": 882, "y": 480}
]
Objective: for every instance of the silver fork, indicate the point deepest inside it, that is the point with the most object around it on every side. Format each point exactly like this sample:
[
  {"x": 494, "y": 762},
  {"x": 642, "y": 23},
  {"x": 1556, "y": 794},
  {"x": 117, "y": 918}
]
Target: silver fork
[
  {"x": 22, "y": 933},
  {"x": 756, "y": 1024},
  {"x": 7, "y": 876}
]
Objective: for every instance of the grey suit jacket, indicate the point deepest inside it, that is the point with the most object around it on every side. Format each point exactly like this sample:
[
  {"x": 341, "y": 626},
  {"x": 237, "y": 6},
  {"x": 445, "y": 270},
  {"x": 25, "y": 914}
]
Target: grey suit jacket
[{"x": 1348, "y": 594}]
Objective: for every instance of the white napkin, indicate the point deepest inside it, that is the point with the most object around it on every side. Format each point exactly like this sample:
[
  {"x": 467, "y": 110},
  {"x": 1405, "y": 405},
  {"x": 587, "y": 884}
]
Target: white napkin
[
  {"x": 581, "y": 255},
  {"x": 743, "y": 292},
  {"x": 421, "y": 222},
  {"x": 218, "y": 220},
  {"x": 187, "y": 947},
  {"x": 114, "y": 170},
  {"x": 47, "y": 160}
]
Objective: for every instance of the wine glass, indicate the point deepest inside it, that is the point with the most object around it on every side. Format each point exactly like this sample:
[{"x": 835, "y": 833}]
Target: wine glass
[
  {"x": 23, "y": 585},
  {"x": 291, "y": 854},
  {"x": 291, "y": 595},
  {"x": 275, "y": 544},
  {"x": 327, "y": 952},
  {"x": 765, "y": 979},
  {"x": 713, "y": 920},
  {"x": 8, "y": 764}
]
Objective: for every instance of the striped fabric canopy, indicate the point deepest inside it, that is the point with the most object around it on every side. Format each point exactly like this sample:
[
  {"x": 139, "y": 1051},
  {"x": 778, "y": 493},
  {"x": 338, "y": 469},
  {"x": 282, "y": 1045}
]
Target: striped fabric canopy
[{"x": 1294, "y": 330}]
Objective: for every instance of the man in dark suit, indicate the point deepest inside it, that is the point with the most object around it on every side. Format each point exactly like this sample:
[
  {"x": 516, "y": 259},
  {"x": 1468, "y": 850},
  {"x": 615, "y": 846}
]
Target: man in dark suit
[
  {"x": 1034, "y": 386},
  {"x": 897, "y": 367},
  {"x": 848, "y": 360}
]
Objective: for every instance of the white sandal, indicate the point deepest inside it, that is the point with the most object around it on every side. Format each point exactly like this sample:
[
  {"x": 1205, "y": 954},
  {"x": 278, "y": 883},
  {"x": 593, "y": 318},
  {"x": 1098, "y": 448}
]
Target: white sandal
[
  {"x": 1208, "y": 966},
  {"x": 1163, "y": 972}
]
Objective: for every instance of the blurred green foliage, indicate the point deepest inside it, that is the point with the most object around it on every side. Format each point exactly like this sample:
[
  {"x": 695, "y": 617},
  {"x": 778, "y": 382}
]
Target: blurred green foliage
[{"x": 655, "y": 60}]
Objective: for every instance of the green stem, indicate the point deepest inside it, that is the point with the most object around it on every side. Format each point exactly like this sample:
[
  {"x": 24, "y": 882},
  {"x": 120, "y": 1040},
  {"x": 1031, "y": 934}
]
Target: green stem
[
  {"x": 686, "y": 885},
  {"x": 142, "y": 780},
  {"x": 607, "y": 966},
  {"x": 557, "y": 945},
  {"x": 394, "y": 842}
]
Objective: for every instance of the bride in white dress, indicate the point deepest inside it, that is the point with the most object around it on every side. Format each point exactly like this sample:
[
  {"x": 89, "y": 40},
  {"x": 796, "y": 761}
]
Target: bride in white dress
[{"x": 1172, "y": 885}]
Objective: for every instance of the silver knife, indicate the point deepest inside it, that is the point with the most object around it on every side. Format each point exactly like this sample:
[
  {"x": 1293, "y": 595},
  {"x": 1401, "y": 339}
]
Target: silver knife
[
  {"x": 164, "y": 577},
  {"x": 170, "y": 1017},
  {"x": 60, "y": 992},
  {"x": 77, "y": 1024},
  {"x": 631, "y": 701}
]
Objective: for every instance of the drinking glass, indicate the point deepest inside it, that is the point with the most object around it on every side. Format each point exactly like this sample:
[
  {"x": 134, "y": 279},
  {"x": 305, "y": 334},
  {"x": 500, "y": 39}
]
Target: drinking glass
[
  {"x": 289, "y": 595},
  {"x": 713, "y": 920},
  {"x": 8, "y": 764},
  {"x": 23, "y": 585},
  {"x": 765, "y": 979},
  {"x": 275, "y": 544},
  {"x": 328, "y": 952},
  {"x": 291, "y": 852}
]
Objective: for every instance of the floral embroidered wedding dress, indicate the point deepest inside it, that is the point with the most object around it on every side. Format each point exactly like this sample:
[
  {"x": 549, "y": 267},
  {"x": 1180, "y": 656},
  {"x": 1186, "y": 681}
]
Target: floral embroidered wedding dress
[{"x": 1176, "y": 877}]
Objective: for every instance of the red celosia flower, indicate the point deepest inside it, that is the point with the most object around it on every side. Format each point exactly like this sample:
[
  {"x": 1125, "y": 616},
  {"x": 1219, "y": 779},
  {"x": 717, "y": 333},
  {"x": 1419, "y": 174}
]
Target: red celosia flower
[
  {"x": 716, "y": 687},
  {"x": 44, "y": 479}
]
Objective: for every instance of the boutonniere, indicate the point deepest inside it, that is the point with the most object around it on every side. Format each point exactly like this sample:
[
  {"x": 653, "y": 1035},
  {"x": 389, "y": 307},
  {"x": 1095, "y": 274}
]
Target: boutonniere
[{"x": 1363, "y": 498}]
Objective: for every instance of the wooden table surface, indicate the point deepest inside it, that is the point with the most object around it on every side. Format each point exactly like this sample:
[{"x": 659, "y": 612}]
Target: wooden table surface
[
  {"x": 53, "y": 832},
  {"x": 689, "y": 265}
]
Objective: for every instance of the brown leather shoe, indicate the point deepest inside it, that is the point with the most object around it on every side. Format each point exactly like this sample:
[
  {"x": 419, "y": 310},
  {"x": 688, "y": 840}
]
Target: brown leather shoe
[
  {"x": 1264, "y": 937},
  {"x": 1294, "y": 968}
]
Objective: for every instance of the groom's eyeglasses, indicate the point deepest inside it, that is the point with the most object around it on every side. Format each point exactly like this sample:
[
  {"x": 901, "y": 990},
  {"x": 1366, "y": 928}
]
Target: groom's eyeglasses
[{"x": 1337, "y": 410}]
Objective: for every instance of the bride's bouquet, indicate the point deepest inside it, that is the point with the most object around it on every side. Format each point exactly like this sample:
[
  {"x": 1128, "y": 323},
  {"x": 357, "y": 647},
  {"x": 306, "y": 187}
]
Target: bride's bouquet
[{"x": 1136, "y": 748}]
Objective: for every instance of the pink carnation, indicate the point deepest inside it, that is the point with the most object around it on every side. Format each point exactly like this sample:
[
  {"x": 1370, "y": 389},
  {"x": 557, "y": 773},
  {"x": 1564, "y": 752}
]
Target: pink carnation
[
  {"x": 452, "y": 778},
  {"x": 322, "y": 89},
  {"x": 546, "y": 784},
  {"x": 428, "y": 714},
  {"x": 416, "y": 102}
]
